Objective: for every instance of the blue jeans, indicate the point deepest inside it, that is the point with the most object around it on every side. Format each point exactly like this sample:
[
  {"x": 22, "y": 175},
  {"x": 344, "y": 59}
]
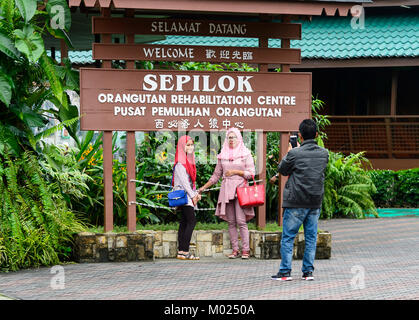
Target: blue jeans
[{"x": 292, "y": 220}]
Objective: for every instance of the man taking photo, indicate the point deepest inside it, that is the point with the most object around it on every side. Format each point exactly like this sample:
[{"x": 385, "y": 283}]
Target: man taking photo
[{"x": 302, "y": 198}]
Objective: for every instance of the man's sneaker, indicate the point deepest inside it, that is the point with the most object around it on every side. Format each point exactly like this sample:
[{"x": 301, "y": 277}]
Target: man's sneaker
[
  {"x": 307, "y": 276},
  {"x": 282, "y": 276}
]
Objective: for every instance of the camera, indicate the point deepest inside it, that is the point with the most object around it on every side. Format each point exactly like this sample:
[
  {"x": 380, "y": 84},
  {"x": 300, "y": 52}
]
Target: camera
[{"x": 293, "y": 140}]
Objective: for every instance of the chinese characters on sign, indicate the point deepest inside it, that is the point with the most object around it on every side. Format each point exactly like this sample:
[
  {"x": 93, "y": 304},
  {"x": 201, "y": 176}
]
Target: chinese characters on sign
[{"x": 228, "y": 54}]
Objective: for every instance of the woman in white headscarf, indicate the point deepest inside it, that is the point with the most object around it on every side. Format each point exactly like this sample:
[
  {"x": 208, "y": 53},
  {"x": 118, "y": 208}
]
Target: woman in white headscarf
[{"x": 235, "y": 165}]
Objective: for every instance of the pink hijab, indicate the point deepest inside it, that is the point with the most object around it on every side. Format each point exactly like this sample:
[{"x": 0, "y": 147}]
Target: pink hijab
[{"x": 240, "y": 151}]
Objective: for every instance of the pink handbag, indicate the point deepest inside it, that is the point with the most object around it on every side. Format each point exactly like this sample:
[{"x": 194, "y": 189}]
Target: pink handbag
[{"x": 251, "y": 196}]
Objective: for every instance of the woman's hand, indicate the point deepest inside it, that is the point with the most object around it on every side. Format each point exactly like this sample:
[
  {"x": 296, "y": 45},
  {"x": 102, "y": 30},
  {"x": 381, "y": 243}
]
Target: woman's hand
[
  {"x": 196, "y": 199},
  {"x": 230, "y": 173},
  {"x": 200, "y": 190}
]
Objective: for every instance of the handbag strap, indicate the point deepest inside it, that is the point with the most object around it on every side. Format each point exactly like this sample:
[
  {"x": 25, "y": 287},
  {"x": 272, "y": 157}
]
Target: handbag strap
[
  {"x": 173, "y": 175},
  {"x": 254, "y": 182}
]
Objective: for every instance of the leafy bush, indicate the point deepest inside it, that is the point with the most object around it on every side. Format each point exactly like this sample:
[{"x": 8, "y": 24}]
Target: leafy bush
[
  {"x": 36, "y": 226},
  {"x": 63, "y": 173},
  {"x": 28, "y": 77},
  {"x": 396, "y": 188},
  {"x": 89, "y": 159},
  {"x": 348, "y": 187}
]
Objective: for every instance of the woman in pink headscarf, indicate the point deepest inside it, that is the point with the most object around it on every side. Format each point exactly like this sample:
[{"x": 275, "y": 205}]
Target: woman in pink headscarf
[{"x": 235, "y": 164}]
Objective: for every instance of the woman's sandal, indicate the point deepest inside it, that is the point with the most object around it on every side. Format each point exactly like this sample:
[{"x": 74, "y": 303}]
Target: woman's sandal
[
  {"x": 235, "y": 254},
  {"x": 190, "y": 256},
  {"x": 245, "y": 255},
  {"x": 181, "y": 256}
]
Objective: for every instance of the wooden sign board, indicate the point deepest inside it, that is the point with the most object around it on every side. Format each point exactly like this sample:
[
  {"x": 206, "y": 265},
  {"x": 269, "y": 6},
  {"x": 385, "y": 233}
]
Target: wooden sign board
[
  {"x": 102, "y": 25},
  {"x": 150, "y": 100},
  {"x": 113, "y": 51}
]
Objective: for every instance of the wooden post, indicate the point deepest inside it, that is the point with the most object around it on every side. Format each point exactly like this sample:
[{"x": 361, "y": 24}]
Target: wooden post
[
  {"x": 285, "y": 43},
  {"x": 107, "y": 152},
  {"x": 262, "y": 141},
  {"x": 393, "y": 104},
  {"x": 53, "y": 53},
  {"x": 388, "y": 138},
  {"x": 63, "y": 51},
  {"x": 285, "y": 137},
  {"x": 261, "y": 150},
  {"x": 351, "y": 142},
  {"x": 131, "y": 156},
  {"x": 131, "y": 194}
]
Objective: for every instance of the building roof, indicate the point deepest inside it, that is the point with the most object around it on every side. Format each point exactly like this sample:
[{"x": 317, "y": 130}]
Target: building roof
[
  {"x": 301, "y": 7},
  {"x": 335, "y": 38},
  {"x": 324, "y": 38},
  {"x": 380, "y": 37}
]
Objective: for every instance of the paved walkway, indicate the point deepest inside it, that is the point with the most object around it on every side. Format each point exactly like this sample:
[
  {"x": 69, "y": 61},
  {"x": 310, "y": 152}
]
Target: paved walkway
[{"x": 371, "y": 259}]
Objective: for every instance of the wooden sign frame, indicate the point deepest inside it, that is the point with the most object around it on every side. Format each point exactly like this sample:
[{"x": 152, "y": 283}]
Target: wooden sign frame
[
  {"x": 114, "y": 51},
  {"x": 108, "y": 25},
  {"x": 128, "y": 25},
  {"x": 150, "y": 100}
]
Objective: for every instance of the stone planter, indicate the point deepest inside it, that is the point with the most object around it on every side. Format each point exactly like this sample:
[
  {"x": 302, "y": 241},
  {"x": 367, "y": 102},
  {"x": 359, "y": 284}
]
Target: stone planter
[
  {"x": 148, "y": 245},
  {"x": 114, "y": 247},
  {"x": 267, "y": 245}
]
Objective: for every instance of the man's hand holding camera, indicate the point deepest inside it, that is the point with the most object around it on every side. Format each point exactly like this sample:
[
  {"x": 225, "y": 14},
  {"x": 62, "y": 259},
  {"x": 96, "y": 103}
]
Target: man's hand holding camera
[{"x": 293, "y": 139}]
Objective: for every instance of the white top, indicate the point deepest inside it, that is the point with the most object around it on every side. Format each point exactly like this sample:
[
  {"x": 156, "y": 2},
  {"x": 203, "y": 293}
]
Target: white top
[{"x": 182, "y": 180}]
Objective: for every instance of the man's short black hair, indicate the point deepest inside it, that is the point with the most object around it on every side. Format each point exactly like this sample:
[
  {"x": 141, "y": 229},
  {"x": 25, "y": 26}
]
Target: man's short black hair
[{"x": 308, "y": 129}]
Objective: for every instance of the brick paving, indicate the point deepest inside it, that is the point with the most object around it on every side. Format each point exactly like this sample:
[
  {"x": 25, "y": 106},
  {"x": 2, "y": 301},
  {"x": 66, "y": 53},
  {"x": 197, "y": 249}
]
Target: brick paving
[{"x": 386, "y": 250}]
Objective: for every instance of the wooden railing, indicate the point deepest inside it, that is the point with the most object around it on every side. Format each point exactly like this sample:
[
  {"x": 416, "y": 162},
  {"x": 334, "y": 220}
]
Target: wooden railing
[{"x": 379, "y": 136}]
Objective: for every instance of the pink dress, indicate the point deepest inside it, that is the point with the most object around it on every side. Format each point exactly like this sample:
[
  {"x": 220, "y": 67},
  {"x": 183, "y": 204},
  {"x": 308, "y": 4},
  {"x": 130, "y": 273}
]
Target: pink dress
[{"x": 229, "y": 184}]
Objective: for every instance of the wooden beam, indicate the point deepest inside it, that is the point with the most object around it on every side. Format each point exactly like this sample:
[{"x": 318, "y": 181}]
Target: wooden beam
[
  {"x": 285, "y": 137},
  {"x": 262, "y": 140},
  {"x": 107, "y": 180},
  {"x": 285, "y": 44},
  {"x": 353, "y": 63},
  {"x": 131, "y": 154},
  {"x": 183, "y": 27},
  {"x": 63, "y": 50},
  {"x": 261, "y": 150},
  {"x": 131, "y": 190},
  {"x": 107, "y": 155},
  {"x": 394, "y": 83},
  {"x": 155, "y": 52}
]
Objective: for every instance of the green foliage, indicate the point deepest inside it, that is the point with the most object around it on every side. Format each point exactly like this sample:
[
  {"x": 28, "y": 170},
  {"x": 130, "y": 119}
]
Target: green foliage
[
  {"x": 27, "y": 8},
  {"x": 36, "y": 226},
  {"x": 89, "y": 159},
  {"x": 206, "y": 66},
  {"x": 63, "y": 174},
  {"x": 322, "y": 121},
  {"x": 28, "y": 77},
  {"x": 272, "y": 193},
  {"x": 348, "y": 187},
  {"x": 396, "y": 188}
]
